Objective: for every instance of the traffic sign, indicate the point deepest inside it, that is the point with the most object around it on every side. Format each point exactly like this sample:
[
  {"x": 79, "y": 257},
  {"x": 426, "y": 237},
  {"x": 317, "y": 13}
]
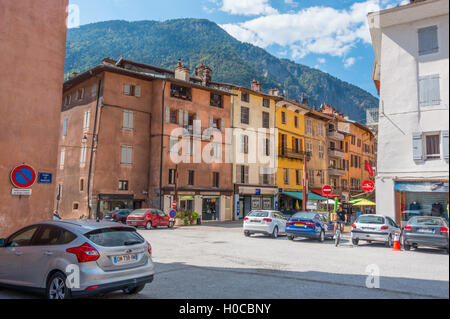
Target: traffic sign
[
  {"x": 327, "y": 190},
  {"x": 173, "y": 213},
  {"x": 45, "y": 178},
  {"x": 174, "y": 204},
  {"x": 23, "y": 176},
  {"x": 368, "y": 186},
  {"x": 21, "y": 192}
]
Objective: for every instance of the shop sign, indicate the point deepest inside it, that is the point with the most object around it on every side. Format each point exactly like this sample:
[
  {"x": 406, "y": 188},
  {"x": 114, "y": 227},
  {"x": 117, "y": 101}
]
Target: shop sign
[
  {"x": 45, "y": 178},
  {"x": 422, "y": 187},
  {"x": 256, "y": 203},
  {"x": 258, "y": 191},
  {"x": 267, "y": 203}
]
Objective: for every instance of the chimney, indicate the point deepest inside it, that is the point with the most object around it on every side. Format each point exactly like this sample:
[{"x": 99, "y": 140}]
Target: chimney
[
  {"x": 274, "y": 92},
  {"x": 182, "y": 72},
  {"x": 204, "y": 72},
  {"x": 109, "y": 61},
  {"x": 73, "y": 75},
  {"x": 256, "y": 85}
]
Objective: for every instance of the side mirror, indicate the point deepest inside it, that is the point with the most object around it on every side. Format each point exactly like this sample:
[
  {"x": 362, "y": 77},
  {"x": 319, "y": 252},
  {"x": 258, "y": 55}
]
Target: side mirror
[{"x": 2, "y": 242}]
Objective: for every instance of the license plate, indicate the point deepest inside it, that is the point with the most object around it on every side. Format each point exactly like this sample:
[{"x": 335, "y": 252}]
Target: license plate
[
  {"x": 368, "y": 228},
  {"x": 300, "y": 225},
  {"x": 125, "y": 259},
  {"x": 255, "y": 221},
  {"x": 424, "y": 230}
]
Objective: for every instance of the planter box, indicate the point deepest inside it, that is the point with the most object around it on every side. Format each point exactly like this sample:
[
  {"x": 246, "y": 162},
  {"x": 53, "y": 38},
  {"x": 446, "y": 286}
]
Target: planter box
[{"x": 180, "y": 222}]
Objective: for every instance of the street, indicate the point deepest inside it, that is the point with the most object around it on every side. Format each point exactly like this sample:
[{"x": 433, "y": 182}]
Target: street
[{"x": 217, "y": 261}]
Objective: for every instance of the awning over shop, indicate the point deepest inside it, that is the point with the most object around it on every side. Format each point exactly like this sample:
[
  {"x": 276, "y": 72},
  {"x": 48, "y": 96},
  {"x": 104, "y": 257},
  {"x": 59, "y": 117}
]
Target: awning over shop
[
  {"x": 188, "y": 197},
  {"x": 365, "y": 202},
  {"x": 299, "y": 195},
  {"x": 320, "y": 193}
]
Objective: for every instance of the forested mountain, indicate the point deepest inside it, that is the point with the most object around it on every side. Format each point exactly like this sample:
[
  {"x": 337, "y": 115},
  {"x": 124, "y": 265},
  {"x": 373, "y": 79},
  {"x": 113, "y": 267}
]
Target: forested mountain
[{"x": 195, "y": 41}]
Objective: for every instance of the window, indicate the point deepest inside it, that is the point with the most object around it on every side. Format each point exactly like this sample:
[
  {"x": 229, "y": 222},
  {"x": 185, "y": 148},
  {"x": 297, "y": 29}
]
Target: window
[
  {"x": 131, "y": 90},
  {"x": 94, "y": 89},
  {"x": 266, "y": 120},
  {"x": 82, "y": 94},
  {"x": 353, "y": 140},
  {"x": 245, "y": 97},
  {"x": 61, "y": 160},
  {"x": 70, "y": 98},
  {"x": 346, "y": 147},
  {"x": 242, "y": 174},
  {"x": 432, "y": 146},
  {"x": 359, "y": 142},
  {"x": 428, "y": 40},
  {"x": 87, "y": 120},
  {"x": 265, "y": 179},
  {"x": 216, "y": 100},
  {"x": 429, "y": 90},
  {"x": 309, "y": 147},
  {"x": 311, "y": 176},
  {"x": 174, "y": 145},
  {"x": 191, "y": 178},
  {"x": 298, "y": 177},
  {"x": 296, "y": 121},
  {"x": 51, "y": 235},
  {"x": 309, "y": 129},
  {"x": 127, "y": 152},
  {"x": 216, "y": 176},
  {"x": 266, "y": 102},
  {"x": 319, "y": 129},
  {"x": 283, "y": 117},
  {"x": 244, "y": 144},
  {"x": 321, "y": 151},
  {"x": 83, "y": 156},
  {"x": 66, "y": 121},
  {"x": 286, "y": 176},
  {"x": 173, "y": 116},
  {"x": 245, "y": 115},
  {"x": 172, "y": 174},
  {"x": 76, "y": 206},
  {"x": 344, "y": 184},
  {"x": 322, "y": 177},
  {"x": 81, "y": 185},
  {"x": 180, "y": 92},
  {"x": 217, "y": 150},
  {"x": 23, "y": 238},
  {"x": 123, "y": 185},
  {"x": 266, "y": 147},
  {"x": 127, "y": 120}
]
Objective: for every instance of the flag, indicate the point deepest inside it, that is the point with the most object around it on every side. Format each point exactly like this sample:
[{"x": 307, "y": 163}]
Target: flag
[{"x": 369, "y": 168}]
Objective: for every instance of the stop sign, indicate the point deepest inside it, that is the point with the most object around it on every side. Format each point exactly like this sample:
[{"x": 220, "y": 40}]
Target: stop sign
[
  {"x": 174, "y": 204},
  {"x": 327, "y": 190},
  {"x": 368, "y": 186}
]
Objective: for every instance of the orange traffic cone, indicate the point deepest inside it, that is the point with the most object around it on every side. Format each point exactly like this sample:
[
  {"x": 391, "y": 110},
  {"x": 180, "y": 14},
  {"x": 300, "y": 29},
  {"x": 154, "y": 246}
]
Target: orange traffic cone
[{"x": 397, "y": 246}]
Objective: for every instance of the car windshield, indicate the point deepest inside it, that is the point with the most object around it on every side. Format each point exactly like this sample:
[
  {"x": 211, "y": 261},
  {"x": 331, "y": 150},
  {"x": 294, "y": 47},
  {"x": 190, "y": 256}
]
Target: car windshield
[
  {"x": 371, "y": 220},
  {"x": 115, "y": 237},
  {"x": 256, "y": 213},
  {"x": 427, "y": 221},
  {"x": 305, "y": 215},
  {"x": 140, "y": 212}
]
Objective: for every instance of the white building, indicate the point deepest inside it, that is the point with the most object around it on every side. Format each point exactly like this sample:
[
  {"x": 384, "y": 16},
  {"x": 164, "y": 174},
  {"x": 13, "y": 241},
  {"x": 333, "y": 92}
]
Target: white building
[{"x": 411, "y": 74}]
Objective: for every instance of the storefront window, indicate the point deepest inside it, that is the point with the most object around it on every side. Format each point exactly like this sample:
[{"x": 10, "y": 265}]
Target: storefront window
[{"x": 210, "y": 210}]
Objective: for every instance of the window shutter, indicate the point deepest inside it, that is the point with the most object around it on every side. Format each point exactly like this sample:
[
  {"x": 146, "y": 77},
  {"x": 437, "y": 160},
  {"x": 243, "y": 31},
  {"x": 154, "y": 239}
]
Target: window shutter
[
  {"x": 435, "y": 90},
  {"x": 238, "y": 174},
  {"x": 417, "y": 146},
  {"x": 63, "y": 155},
  {"x": 137, "y": 91},
  {"x": 210, "y": 121},
  {"x": 82, "y": 93},
  {"x": 167, "y": 114},
  {"x": 428, "y": 40},
  {"x": 246, "y": 174},
  {"x": 180, "y": 117},
  {"x": 130, "y": 120},
  {"x": 65, "y": 127},
  {"x": 445, "y": 144},
  {"x": 126, "y": 89},
  {"x": 186, "y": 118},
  {"x": 222, "y": 125},
  {"x": 124, "y": 155}
]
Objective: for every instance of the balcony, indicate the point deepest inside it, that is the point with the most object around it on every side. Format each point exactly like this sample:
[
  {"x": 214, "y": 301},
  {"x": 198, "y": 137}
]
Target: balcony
[
  {"x": 333, "y": 171},
  {"x": 335, "y": 135},
  {"x": 335, "y": 153},
  {"x": 291, "y": 153},
  {"x": 197, "y": 132}
]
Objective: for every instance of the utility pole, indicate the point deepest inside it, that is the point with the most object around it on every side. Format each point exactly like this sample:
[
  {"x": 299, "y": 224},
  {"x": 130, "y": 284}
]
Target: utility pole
[
  {"x": 305, "y": 182},
  {"x": 176, "y": 188}
]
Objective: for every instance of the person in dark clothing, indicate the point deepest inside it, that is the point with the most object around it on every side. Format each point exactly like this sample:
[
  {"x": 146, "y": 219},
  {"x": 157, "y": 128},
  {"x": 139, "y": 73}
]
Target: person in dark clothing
[{"x": 341, "y": 219}]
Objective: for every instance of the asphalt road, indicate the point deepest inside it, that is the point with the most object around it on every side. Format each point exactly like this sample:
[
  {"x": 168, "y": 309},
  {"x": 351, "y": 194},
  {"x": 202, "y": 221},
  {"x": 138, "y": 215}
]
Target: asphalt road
[{"x": 217, "y": 261}]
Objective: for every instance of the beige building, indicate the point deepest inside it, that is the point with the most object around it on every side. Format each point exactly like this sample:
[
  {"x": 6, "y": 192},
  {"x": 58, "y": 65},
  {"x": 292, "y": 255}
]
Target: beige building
[{"x": 33, "y": 41}]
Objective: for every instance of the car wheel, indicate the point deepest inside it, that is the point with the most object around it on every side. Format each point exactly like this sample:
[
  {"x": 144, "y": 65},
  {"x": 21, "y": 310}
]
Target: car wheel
[
  {"x": 56, "y": 287},
  {"x": 247, "y": 233},
  {"x": 133, "y": 290},
  {"x": 290, "y": 237},
  {"x": 447, "y": 250},
  {"x": 170, "y": 224},
  {"x": 369, "y": 241},
  {"x": 275, "y": 232},
  {"x": 322, "y": 236},
  {"x": 407, "y": 247},
  {"x": 148, "y": 225},
  {"x": 355, "y": 241},
  {"x": 389, "y": 241}
]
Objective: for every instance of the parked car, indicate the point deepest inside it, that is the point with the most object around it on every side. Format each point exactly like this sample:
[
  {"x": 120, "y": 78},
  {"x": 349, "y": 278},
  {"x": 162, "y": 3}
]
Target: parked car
[
  {"x": 268, "y": 222},
  {"x": 149, "y": 218},
  {"x": 107, "y": 256},
  {"x": 426, "y": 230},
  {"x": 376, "y": 228},
  {"x": 119, "y": 216},
  {"x": 310, "y": 225}
]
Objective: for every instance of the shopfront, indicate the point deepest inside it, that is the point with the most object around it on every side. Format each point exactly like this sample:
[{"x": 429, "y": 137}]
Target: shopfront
[
  {"x": 420, "y": 198},
  {"x": 110, "y": 202},
  {"x": 252, "y": 198}
]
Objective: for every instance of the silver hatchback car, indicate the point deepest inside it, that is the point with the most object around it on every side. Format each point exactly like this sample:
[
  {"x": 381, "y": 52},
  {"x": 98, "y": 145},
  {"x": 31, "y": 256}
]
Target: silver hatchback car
[
  {"x": 76, "y": 258},
  {"x": 375, "y": 228}
]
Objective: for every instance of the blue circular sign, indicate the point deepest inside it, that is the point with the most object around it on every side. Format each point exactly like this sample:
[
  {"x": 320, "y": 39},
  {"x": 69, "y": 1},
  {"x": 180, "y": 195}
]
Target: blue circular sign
[{"x": 173, "y": 213}]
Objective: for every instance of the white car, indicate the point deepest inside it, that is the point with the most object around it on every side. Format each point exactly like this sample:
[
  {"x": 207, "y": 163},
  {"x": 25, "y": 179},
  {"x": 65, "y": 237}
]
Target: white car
[
  {"x": 268, "y": 222},
  {"x": 374, "y": 228}
]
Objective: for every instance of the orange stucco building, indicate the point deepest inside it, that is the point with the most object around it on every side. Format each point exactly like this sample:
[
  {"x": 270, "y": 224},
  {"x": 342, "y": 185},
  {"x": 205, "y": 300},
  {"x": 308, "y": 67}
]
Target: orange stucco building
[{"x": 32, "y": 51}]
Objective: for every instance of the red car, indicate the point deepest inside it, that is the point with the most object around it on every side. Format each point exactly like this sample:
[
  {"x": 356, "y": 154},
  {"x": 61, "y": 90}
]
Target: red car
[{"x": 149, "y": 218}]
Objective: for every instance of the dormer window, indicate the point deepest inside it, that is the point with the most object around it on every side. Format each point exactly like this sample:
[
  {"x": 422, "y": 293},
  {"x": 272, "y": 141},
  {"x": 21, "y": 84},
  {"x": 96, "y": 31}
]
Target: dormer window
[
  {"x": 180, "y": 92},
  {"x": 216, "y": 100}
]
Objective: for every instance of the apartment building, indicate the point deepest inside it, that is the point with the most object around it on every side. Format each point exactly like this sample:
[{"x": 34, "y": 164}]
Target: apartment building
[
  {"x": 411, "y": 74},
  {"x": 33, "y": 40},
  {"x": 254, "y": 162},
  {"x": 131, "y": 137}
]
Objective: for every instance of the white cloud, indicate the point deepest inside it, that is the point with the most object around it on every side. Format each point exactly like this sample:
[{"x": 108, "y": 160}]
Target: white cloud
[
  {"x": 248, "y": 7},
  {"x": 321, "y": 60},
  {"x": 349, "y": 62},
  {"x": 318, "y": 29}
]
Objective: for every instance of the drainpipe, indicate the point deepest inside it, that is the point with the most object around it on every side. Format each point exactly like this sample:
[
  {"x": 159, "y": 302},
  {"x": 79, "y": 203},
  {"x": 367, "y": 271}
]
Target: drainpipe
[
  {"x": 94, "y": 137},
  {"x": 162, "y": 146}
]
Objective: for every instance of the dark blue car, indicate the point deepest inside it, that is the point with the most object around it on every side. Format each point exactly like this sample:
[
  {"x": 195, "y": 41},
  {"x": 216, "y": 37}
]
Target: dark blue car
[{"x": 310, "y": 225}]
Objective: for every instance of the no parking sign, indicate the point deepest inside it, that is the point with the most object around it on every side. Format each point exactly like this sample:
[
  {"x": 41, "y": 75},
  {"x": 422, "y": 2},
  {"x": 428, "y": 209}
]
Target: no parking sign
[
  {"x": 23, "y": 176},
  {"x": 173, "y": 213}
]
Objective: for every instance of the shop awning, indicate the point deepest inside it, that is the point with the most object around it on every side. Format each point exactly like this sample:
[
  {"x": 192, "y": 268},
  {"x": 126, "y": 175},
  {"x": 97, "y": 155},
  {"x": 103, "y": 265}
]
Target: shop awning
[
  {"x": 319, "y": 192},
  {"x": 365, "y": 202},
  {"x": 299, "y": 195},
  {"x": 188, "y": 197}
]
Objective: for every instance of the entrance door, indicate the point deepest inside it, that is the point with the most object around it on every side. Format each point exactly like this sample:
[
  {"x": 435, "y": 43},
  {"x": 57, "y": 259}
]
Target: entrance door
[{"x": 247, "y": 206}]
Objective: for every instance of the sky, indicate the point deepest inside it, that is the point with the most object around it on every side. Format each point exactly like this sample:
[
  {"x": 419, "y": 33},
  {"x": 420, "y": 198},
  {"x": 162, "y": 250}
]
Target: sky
[{"x": 329, "y": 35}]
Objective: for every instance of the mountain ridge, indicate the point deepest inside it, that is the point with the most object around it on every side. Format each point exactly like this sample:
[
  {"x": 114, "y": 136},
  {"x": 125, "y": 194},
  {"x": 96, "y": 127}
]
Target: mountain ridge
[{"x": 163, "y": 43}]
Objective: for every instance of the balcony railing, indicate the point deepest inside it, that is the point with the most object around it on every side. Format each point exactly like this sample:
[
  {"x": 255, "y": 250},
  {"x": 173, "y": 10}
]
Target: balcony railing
[
  {"x": 291, "y": 153},
  {"x": 335, "y": 153},
  {"x": 336, "y": 171},
  {"x": 335, "y": 135}
]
